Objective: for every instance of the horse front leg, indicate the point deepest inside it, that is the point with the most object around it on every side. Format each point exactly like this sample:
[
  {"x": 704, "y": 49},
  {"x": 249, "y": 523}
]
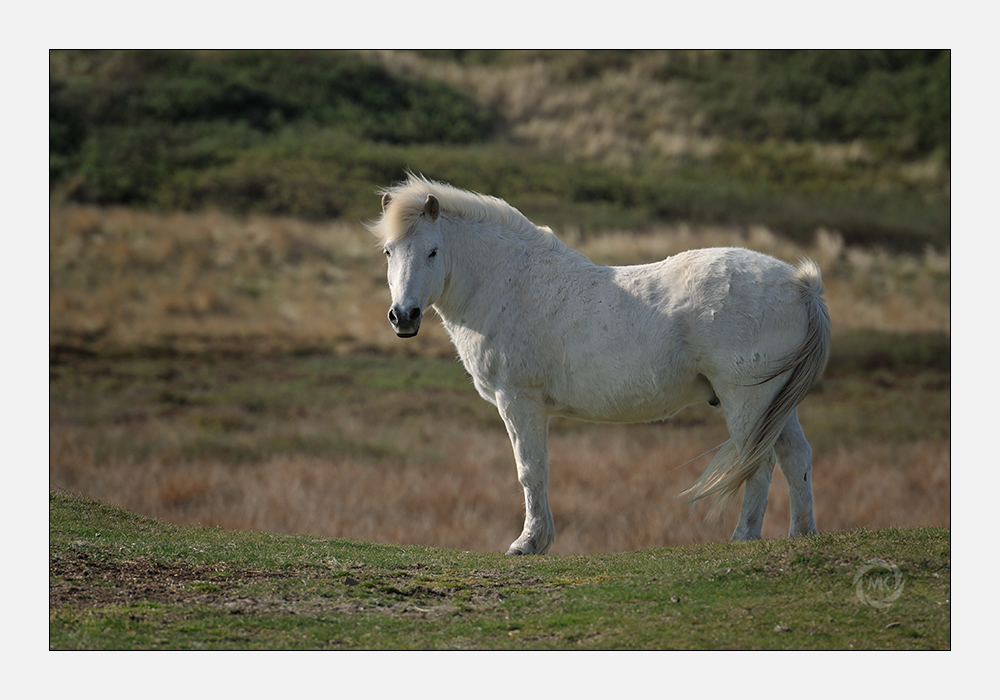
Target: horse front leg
[{"x": 527, "y": 426}]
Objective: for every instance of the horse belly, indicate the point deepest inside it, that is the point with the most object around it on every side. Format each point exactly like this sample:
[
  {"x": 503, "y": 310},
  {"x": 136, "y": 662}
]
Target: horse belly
[{"x": 639, "y": 396}]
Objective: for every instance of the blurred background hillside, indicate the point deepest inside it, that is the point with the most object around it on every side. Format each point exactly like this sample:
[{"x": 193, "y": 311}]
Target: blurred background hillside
[
  {"x": 219, "y": 351},
  {"x": 854, "y": 141}
]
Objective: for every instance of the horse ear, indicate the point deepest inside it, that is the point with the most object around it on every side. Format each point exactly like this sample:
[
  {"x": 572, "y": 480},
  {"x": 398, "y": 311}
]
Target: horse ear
[
  {"x": 432, "y": 208},
  {"x": 386, "y": 198}
]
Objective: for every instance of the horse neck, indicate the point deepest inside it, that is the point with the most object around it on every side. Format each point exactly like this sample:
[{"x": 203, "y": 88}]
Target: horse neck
[{"x": 480, "y": 257}]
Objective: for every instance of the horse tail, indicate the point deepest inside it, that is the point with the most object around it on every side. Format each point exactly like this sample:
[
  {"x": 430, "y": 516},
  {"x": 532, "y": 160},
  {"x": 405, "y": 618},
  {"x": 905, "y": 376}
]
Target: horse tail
[{"x": 735, "y": 463}]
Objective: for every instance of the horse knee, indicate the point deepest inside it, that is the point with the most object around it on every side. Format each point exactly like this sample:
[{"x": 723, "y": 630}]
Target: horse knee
[
  {"x": 532, "y": 477},
  {"x": 794, "y": 451}
]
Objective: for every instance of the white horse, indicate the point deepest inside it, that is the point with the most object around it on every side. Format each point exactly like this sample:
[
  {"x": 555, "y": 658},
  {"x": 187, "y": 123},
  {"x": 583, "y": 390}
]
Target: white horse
[{"x": 545, "y": 332}]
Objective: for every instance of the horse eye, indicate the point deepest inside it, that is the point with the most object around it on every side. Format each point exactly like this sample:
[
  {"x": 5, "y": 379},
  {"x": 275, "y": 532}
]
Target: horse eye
[
  {"x": 433, "y": 253},
  {"x": 387, "y": 253}
]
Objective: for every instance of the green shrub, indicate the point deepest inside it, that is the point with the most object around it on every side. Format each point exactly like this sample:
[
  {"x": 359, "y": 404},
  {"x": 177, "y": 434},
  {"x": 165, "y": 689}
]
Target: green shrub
[
  {"x": 125, "y": 122},
  {"x": 315, "y": 134},
  {"x": 901, "y": 99}
]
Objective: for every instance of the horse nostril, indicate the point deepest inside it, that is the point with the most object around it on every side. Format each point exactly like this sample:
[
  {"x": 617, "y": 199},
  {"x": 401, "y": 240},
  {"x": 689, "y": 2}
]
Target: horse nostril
[{"x": 397, "y": 316}]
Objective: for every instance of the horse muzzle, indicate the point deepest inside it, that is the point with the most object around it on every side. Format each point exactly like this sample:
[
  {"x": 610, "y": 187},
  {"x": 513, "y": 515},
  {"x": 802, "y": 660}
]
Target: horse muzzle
[{"x": 405, "y": 323}]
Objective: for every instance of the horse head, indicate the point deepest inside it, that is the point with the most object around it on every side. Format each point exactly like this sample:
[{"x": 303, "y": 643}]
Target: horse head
[{"x": 416, "y": 270}]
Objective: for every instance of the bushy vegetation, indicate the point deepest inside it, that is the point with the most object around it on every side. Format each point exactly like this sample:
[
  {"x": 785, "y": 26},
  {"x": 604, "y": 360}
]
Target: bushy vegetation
[
  {"x": 899, "y": 101},
  {"x": 135, "y": 127},
  {"x": 855, "y": 141}
]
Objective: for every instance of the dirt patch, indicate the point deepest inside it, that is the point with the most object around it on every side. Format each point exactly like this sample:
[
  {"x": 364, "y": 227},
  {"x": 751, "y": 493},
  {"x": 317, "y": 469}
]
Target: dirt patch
[{"x": 81, "y": 579}]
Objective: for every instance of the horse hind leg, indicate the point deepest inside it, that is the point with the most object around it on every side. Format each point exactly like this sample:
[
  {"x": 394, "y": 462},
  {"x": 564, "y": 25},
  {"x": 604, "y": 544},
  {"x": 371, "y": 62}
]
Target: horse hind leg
[
  {"x": 756, "y": 416},
  {"x": 748, "y": 458},
  {"x": 754, "y": 505},
  {"x": 795, "y": 460},
  {"x": 794, "y": 456}
]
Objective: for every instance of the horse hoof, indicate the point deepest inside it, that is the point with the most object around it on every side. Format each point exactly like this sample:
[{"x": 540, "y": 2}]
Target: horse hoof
[{"x": 514, "y": 552}]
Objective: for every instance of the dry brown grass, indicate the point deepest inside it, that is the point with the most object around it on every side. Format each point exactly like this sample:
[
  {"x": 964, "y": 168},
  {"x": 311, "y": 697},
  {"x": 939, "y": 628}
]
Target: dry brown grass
[
  {"x": 124, "y": 279},
  {"x": 127, "y": 282},
  {"x": 612, "y": 489}
]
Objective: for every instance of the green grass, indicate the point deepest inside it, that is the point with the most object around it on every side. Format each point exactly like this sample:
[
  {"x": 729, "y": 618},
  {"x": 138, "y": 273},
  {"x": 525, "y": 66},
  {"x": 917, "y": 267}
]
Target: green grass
[
  {"x": 121, "y": 581},
  {"x": 871, "y": 351}
]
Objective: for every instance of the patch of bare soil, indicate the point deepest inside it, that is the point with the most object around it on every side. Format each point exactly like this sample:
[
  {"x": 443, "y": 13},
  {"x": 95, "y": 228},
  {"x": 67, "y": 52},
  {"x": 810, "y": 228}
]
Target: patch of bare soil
[{"x": 81, "y": 579}]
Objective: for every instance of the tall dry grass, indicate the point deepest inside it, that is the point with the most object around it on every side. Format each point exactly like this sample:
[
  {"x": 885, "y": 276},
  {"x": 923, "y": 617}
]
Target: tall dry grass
[
  {"x": 127, "y": 279},
  {"x": 124, "y": 279},
  {"x": 612, "y": 489},
  {"x": 133, "y": 283}
]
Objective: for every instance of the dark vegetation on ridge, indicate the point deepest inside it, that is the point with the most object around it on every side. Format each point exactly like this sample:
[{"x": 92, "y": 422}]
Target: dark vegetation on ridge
[{"x": 313, "y": 134}]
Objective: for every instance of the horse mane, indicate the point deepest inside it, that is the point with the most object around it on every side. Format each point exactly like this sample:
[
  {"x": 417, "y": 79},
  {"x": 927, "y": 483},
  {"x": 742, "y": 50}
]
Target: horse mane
[{"x": 407, "y": 204}]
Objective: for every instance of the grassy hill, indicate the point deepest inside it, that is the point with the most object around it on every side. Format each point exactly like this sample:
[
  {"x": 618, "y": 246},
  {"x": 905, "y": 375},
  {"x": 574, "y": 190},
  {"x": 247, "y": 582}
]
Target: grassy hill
[
  {"x": 853, "y": 141},
  {"x": 122, "y": 581}
]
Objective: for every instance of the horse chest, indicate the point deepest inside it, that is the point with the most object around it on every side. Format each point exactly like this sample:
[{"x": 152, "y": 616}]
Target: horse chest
[{"x": 479, "y": 361}]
